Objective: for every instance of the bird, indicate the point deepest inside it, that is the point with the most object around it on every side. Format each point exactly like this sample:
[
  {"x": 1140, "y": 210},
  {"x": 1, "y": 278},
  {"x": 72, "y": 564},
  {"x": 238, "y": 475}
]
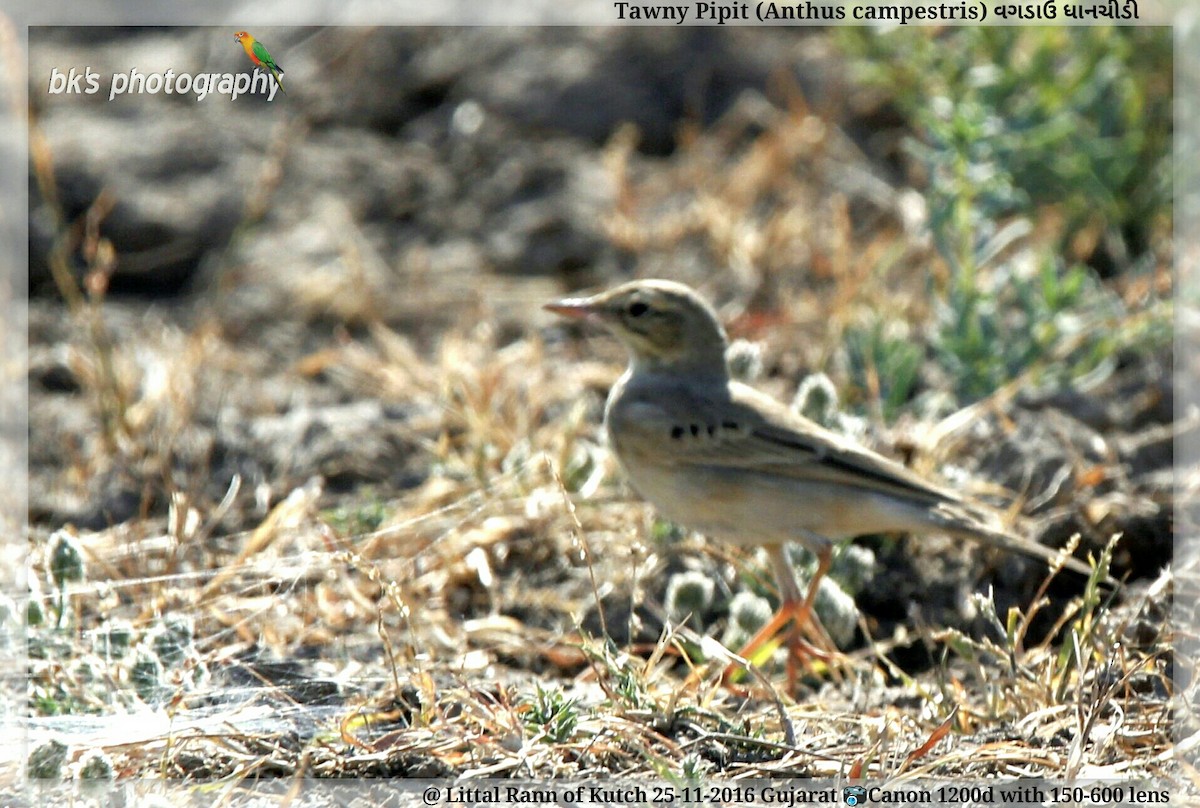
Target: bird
[
  {"x": 718, "y": 456},
  {"x": 261, "y": 57}
]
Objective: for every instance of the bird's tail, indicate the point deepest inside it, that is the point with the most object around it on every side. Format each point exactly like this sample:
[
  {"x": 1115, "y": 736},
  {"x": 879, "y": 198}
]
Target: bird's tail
[{"x": 965, "y": 522}]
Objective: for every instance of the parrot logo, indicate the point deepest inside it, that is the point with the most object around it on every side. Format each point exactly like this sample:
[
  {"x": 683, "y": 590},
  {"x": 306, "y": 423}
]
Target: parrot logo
[{"x": 261, "y": 57}]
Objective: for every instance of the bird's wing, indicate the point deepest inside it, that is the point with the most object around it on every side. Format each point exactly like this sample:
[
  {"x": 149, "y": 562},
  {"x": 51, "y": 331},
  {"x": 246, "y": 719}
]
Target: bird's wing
[
  {"x": 838, "y": 456},
  {"x": 735, "y": 426},
  {"x": 739, "y": 427},
  {"x": 264, "y": 56}
]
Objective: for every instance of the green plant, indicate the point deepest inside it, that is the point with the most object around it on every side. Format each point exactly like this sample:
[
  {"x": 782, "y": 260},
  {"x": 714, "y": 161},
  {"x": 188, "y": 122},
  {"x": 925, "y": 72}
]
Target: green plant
[
  {"x": 663, "y": 532},
  {"x": 551, "y": 715},
  {"x": 357, "y": 518},
  {"x": 66, "y": 566},
  {"x": 97, "y": 766},
  {"x": 115, "y": 639},
  {"x": 1077, "y": 117},
  {"x": 817, "y": 400},
  {"x": 622, "y": 679},
  {"x": 689, "y": 596},
  {"x": 172, "y": 640},
  {"x": 692, "y": 771},
  {"x": 745, "y": 360},
  {"x": 883, "y": 366},
  {"x": 1085, "y": 645},
  {"x": 987, "y": 336},
  {"x": 1021, "y": 121},
  {"x": 147, "y": 676},
  {"x": 46, "y": 761},
  {"x": 35, "y": 614},
  {"x": 748, "y": 613}
]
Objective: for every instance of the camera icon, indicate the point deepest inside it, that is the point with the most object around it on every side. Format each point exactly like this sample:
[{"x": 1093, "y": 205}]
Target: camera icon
[{"x": 854, "y": 795}]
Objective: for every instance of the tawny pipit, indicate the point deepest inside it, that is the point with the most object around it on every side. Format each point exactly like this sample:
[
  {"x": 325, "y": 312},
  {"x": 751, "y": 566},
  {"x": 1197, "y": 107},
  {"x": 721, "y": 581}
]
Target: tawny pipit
[{"x": 722, "y": 458}]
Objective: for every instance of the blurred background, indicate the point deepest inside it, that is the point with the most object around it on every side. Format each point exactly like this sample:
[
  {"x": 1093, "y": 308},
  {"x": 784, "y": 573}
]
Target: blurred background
[{"x": 290, "y": 380}]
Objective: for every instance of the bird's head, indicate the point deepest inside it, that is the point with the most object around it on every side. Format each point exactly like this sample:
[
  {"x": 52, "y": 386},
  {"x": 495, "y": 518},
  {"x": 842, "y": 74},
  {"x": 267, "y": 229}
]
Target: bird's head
[
  {"x": 240, "y": 35},
  {"x": 665, "y": 325}
]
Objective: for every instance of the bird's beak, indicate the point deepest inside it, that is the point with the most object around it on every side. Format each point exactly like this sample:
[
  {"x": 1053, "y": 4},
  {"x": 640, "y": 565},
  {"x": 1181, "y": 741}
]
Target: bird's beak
[{"x": 576, "y": 308}]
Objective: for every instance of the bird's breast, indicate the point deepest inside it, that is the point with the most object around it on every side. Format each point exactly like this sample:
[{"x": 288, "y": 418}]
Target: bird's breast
[{"x": 694, "y": 496}]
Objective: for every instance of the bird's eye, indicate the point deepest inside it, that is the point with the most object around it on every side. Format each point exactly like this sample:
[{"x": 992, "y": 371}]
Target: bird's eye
[{"x": 638, "y": 309}]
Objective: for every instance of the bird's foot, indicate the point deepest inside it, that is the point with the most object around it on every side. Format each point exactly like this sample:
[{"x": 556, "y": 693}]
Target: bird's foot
[{"x": 811, "y": 651}]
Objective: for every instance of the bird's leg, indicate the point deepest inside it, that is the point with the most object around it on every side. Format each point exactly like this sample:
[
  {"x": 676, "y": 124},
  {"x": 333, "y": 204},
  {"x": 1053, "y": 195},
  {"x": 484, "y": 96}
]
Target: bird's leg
[
  {"x": 764, "y": 635},
  {"x": 787, "y": 611},
  {"x": 807, "y": 622},
  {"x": 794, "y": 608}
]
